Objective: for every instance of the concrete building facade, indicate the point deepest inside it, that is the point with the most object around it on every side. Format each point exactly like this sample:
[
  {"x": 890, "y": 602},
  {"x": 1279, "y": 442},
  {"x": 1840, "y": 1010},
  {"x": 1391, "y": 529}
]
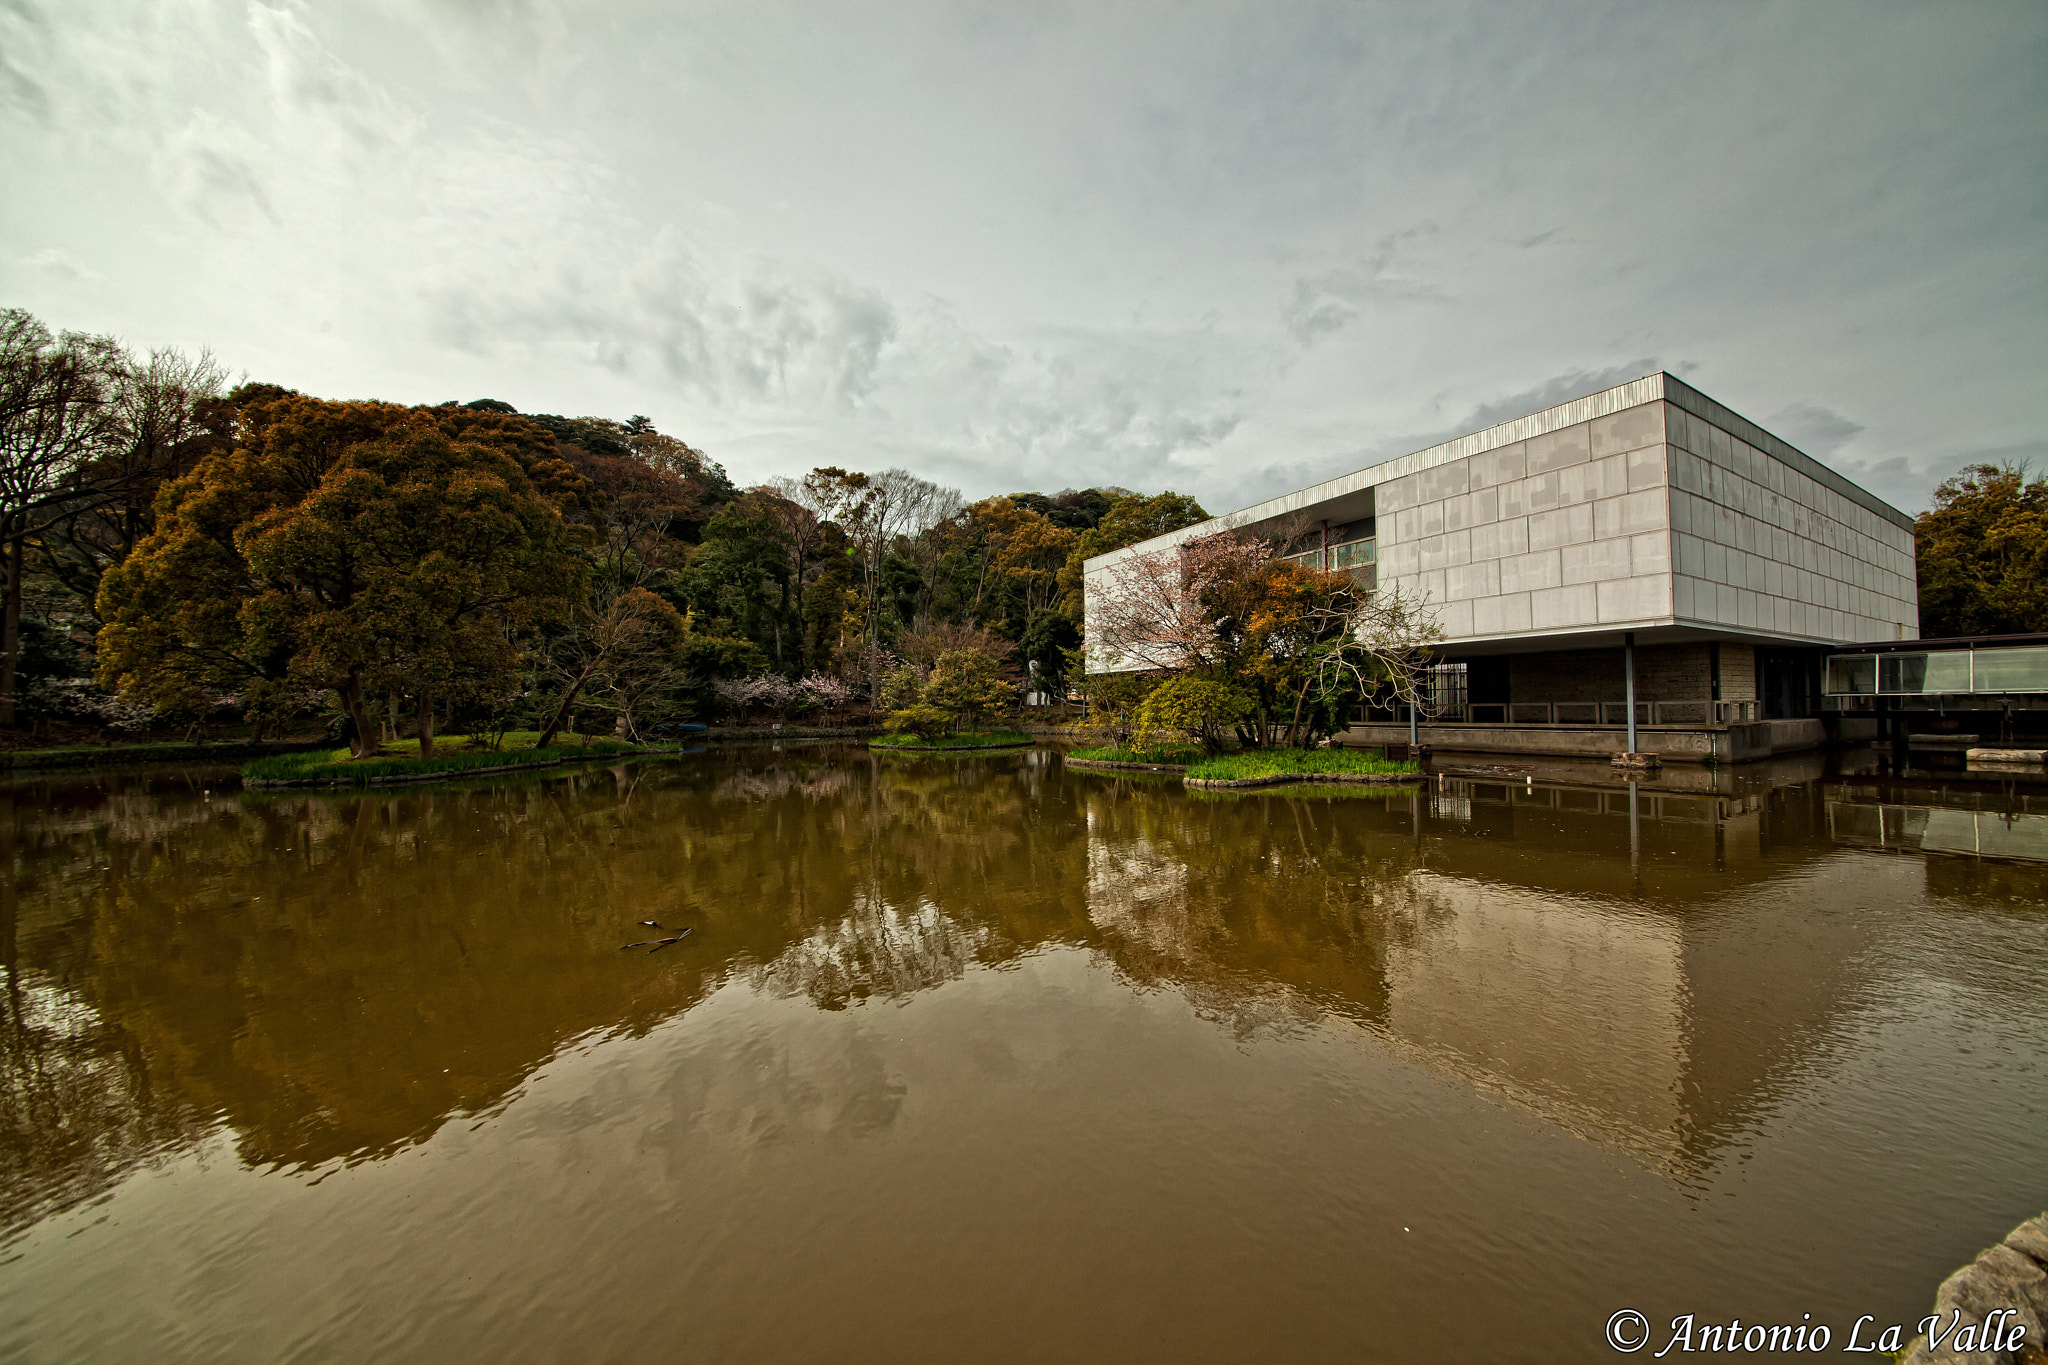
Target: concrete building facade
[{"x": 1646, "y": 516}]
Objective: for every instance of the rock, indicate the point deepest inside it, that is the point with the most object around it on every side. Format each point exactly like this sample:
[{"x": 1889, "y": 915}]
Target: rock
[
  {"x": 1920, "y": 1353},
  {"x": 2031, "y": 1238},
  {"x": 1998, "y": 1278}
]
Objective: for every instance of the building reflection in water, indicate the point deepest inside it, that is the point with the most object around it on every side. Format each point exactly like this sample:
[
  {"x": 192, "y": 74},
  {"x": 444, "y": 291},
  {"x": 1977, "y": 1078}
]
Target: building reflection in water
[{"x": 326, "y": 978}]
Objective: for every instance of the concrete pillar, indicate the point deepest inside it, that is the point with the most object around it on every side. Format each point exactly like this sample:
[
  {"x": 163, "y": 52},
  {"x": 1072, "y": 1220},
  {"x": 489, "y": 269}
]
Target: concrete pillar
[{"x": 1628, "y": 667}]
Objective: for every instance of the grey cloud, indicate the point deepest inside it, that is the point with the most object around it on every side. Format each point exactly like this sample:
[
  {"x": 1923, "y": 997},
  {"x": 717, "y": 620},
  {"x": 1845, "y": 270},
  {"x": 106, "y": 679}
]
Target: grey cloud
[
  {"x": 24, "y": 34},
  {"x": 306, "y": 80},
  {"x": 207, "y": 170},
  {"x": 767, "y": 335},
  {"x": 1275, "y": 477},
  {"x": 735, "y": 218},
  {"x": 1909, "y": 485},
  {"x": 1818, "y": 431},
  {"x": 1559, "y": 389},
  {"x": 1325, "y": 303},
  {"x": 60, "y": 263}
]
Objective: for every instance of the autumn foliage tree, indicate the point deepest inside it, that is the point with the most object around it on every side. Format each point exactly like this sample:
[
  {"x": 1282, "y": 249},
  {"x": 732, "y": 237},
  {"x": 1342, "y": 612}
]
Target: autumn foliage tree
[
  {"x": 347, "y": 546},
  {"x": 1983, "y": 551},
  {"x": 1304, "y": 644}
]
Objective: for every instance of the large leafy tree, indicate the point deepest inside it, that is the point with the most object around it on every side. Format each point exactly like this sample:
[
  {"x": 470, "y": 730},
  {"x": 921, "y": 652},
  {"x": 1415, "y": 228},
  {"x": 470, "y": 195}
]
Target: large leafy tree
[
  {"x": 1132, "y": 517},
  {"x": 1983, "y": 551},
  {"x": 56, "y": 423},
  {"x": 347, "y": 546}
]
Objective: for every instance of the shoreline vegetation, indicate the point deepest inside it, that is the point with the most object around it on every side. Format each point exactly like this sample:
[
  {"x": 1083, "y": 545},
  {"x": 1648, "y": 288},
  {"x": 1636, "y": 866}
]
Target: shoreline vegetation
[
  {"x": 151, "y": 751},
  {"x": 1151, "y": 758},
  {"x": 1247, "y": 768},
  {"x": 461, "y": 756},
  {"x": 961, "y": 740}
]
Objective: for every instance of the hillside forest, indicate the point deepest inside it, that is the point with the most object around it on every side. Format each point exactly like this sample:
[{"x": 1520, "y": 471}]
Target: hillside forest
[{"x": 182, "y": 554}]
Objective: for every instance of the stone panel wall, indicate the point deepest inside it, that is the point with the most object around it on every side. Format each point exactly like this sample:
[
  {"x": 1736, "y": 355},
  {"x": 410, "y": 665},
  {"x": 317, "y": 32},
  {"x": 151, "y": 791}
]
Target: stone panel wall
[
  {"x": 1759, "y": 545},
  {"x": 1568, "y": 529}
]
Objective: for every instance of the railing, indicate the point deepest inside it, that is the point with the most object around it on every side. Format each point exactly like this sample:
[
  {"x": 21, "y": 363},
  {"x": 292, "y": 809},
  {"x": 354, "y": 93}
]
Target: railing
[
  {"x": 1610, "y": 713},
  {"x": 1359, "y": 558}
]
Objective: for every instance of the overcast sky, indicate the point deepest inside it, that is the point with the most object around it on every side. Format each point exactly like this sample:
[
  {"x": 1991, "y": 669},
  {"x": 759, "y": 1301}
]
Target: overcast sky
[{"x": 1228, "y": 249}]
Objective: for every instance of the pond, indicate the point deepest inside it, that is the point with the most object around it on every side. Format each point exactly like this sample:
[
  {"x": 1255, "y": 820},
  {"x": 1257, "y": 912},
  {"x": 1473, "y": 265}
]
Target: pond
[{"x": 977, "y": 1057}]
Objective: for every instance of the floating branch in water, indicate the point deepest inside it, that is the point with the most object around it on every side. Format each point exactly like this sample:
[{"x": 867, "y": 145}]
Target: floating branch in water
[{"x": 655, "y": 945}]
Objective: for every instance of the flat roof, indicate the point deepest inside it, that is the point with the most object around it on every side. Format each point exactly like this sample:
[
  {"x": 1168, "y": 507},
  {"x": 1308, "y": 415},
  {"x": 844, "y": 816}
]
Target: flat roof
[
  {"x": 1950, "y": 642},
  {"x": 1649, "y": 389}
]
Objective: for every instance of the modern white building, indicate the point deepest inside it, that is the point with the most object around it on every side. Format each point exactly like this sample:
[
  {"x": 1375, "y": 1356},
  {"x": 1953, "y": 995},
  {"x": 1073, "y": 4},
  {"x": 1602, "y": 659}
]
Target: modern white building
[{"x": 1641, "y": 536}]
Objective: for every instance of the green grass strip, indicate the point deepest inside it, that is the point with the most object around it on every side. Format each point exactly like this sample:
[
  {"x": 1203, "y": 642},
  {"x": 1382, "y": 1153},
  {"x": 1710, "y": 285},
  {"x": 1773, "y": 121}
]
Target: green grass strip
[
  {"x": 335, "y": 765},
  {"x": 977, "y": 739},
  {"x": 1157, "y": 753},
  {"x": 1251, "y": 763}
]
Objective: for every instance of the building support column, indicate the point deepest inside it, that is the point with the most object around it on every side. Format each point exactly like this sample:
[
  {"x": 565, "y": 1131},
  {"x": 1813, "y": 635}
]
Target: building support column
[{"x": 1628, "y": 668}]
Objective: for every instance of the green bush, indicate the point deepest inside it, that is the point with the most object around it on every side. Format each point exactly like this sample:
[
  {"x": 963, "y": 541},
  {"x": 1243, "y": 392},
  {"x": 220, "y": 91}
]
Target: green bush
[
  {"x": 1113, "y": 702},
  {"x": 1198, "y": 708},
  {"x": 925, "y": 722},
  {"x": 966, "y": 683},
  {"x": 902, "y": 689}
]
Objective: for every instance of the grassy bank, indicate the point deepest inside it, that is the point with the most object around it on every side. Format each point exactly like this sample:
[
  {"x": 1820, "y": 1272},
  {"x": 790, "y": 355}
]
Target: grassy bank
[
  {"x": 1253, "y": 764},
  {"x": 113, "y": 755},
  {"x": 454, "y": 754},
  {"x": 965, "y": 739},
  {"x": 1175, "y": 755}
]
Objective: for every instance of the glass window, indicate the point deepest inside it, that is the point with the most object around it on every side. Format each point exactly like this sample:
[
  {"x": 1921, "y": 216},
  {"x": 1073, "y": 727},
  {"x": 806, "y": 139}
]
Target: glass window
[
  {"x": 2013, "y": 670},
  {"x": 1902, "y": 673},
  {"x": 1948, "y": 671},
  {"x": 1357, "y": 552},
  {"x": 1851, "y": 675}
]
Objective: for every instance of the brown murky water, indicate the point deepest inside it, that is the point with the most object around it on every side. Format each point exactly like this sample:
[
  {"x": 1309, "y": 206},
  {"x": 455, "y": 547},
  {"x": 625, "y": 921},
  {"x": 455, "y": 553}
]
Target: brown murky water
[{"x": 982, "y": 1059}]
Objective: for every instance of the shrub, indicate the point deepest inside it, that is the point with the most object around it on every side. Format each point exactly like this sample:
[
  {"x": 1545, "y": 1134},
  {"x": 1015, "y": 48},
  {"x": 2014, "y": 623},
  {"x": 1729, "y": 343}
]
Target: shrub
[
  {"x": 1113, "y": 702},
  {"x": 1200, "y": 708},
  {"x": 967, "y": 684},
  {"x": 926, "y": 722},
  {"x": 901, "y": 688}
]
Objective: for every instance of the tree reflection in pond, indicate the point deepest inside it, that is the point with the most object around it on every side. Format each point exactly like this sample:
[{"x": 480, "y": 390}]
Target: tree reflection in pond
[{"x": 327, "y": 980}]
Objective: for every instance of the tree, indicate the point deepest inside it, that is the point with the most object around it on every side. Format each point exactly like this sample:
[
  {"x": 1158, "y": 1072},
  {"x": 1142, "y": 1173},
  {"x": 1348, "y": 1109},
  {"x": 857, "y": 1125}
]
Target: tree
[
  {"x": 1983, "y": 554},
  {"x": 1199, "y": 708},
  {"x": 630, "y": 643},
  {"x": 965, "y": 684},
  {"x": 1049, "y": 640},
  {"x": 1023, "y": 552},
  {"x": 54, "y": 424},
  {"x": 875, "y": 510},
  {"x": 643, "y": 667},
  {"x": 346, "y": 546},
  {"x": 163, "y": 414},
  {"x": 1303, "y": 642},
  {"x": 1132, "y": 517},
  {"x": 1164, "y": 609}
]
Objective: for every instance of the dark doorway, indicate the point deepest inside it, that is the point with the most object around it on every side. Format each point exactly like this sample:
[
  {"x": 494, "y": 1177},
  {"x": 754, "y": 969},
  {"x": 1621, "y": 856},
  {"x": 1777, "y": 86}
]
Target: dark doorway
[{"x": 1787, "y": 681}]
